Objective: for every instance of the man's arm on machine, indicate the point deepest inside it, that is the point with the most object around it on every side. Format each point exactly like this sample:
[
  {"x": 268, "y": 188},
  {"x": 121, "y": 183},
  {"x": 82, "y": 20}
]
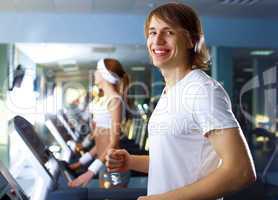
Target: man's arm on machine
[
  {"x": 118, "y": 160},
  {"x": 139, "y": 163}
]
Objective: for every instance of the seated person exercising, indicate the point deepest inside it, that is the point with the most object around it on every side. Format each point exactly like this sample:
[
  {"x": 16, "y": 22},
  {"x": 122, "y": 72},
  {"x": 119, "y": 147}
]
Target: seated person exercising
[
  {"x": 197, "y": 150},
  {"x": 108, "y": 113}
]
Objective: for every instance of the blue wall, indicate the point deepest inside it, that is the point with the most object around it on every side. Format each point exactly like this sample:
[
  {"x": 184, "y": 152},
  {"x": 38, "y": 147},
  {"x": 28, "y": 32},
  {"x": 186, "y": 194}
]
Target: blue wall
[
  {"x": 71, "y": 28},
  {"x": 241, "y": 32},
  {"x": 222, "y": 67},
  {"x": 126, "y": 29}
]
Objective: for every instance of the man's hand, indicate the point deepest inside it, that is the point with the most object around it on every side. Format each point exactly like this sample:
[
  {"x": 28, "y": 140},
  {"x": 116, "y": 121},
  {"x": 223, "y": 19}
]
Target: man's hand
[
  {"x": 82, "y": 180},
  {"x": 117, "y": 160}
]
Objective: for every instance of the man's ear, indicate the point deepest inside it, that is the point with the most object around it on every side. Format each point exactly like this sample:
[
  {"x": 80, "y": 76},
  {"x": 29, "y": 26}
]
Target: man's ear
[{"x": 189, "y": 42}]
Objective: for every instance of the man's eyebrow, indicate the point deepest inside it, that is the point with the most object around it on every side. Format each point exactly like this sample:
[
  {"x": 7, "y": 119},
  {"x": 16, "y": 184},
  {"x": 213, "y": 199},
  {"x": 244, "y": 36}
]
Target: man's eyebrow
[
  {"x": 167, "y": 28},
  {"x": 164, "y": 28}
]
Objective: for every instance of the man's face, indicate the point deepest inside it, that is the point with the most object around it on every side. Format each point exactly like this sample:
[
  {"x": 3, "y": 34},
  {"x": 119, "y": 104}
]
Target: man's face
[{"x": 167, "y": 46}]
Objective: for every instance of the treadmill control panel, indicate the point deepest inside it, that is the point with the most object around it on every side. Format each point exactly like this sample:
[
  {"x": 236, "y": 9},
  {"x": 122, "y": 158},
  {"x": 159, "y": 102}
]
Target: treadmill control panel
[{"x": 9, "y": 189}]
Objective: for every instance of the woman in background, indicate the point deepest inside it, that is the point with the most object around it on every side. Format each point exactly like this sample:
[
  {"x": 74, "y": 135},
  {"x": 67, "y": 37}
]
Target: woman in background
[{"x": 108, "y": 112}]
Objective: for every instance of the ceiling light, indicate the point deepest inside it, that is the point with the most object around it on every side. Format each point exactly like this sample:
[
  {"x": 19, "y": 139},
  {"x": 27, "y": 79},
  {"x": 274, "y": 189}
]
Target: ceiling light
[
  {"x": 248, "y": 69},
  {"x": 138, "y": 68},
  {"x": 47, "y": 53},
  {"x": 238, "y": 2},
  {"x": 261, "y": 52},
  {"x": 104, "y": 49},
  {"x": 70, "y": 68},
  {"x": 69, "y": 65},
  {"x": 67, "y": 62}
]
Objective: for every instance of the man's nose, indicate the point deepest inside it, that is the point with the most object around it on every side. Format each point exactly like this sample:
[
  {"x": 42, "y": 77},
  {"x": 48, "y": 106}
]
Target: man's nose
[{"x": 159, "y": 39}]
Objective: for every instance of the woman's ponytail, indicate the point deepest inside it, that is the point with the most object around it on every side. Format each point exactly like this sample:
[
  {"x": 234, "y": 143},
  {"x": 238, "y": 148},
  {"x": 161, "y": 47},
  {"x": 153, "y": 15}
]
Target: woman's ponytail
[{"x": 122, "y": 88}]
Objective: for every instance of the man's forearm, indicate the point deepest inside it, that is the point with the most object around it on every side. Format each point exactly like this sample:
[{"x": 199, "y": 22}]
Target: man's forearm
[
  {"x": 139, "y": 163},
  {"x": 215, "y": 185}
]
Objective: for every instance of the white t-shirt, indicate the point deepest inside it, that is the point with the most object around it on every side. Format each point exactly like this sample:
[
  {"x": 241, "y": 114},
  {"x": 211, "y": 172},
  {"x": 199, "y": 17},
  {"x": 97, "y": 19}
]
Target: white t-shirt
[{"x": 180, "y": 153}]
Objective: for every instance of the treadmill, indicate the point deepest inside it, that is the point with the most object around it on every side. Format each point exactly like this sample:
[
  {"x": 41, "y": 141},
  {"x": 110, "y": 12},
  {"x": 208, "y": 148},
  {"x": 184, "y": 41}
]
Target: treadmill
[
  {"x": 62, "y": 136},
  {"x": 55, "y": 177},
  {"x": 9, "y": 189},
  {"x": 67, "y": 127}
]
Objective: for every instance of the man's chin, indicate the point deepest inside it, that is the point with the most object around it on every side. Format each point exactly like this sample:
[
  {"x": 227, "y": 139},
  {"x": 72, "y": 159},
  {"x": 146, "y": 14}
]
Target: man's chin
[{"x": 161, "y": 65}]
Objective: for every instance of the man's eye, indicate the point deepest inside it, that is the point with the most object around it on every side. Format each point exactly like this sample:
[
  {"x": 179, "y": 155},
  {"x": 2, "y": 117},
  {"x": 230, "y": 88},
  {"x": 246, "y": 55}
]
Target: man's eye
[
  {"x": 170, "y": 32},
  {"x": 152, "y": 33}
]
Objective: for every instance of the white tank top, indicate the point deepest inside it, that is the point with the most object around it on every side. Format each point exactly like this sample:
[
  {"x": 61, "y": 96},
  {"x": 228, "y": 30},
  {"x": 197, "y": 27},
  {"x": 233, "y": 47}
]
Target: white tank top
[{"x": 101, "y": 115}]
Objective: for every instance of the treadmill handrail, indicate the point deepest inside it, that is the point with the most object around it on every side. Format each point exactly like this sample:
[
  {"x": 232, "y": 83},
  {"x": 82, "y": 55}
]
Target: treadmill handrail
[
  {"x": 67, "y": 127},
  {"x": 56, "y": 134}
]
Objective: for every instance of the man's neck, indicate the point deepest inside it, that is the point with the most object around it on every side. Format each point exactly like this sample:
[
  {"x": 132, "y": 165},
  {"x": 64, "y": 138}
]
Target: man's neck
[{"x": 173, "y": 75}]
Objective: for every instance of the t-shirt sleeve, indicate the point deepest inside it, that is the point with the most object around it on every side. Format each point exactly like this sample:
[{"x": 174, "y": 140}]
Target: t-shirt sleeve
[{"x": 212, "y": 108}]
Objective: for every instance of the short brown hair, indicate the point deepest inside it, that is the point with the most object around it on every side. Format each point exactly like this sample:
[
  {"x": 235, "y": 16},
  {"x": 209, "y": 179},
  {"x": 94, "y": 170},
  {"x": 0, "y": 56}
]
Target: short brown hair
[{"x": 179, "y": 15}]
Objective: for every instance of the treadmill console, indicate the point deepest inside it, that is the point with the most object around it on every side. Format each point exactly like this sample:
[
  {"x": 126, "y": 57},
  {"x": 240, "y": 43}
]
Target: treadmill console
[
  {"x": 26, "y": 130},
  {"x": 9, "y": 189}
]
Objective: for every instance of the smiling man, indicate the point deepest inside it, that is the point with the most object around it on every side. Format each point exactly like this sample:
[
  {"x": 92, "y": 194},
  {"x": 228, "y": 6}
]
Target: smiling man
[{"x": 197, "y": 149}]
